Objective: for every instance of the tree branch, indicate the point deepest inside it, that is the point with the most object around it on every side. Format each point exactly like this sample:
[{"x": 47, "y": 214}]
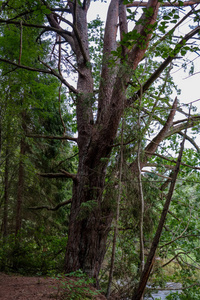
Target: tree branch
[
  {"x": 108, "y": 74},
  {"x": 63, "y": 174},
  {"x": 191, "y": 141},
  {"x": 178, "y": 128},
  {"x": 69, "y": 175},
  {"x": 60, "y": 77},
  {"x": 51, "y": 137},
  {"x": 50, "y": 71},
  {"x": 161, "y": 68},
  {"x": 47, "y": 28},
  {"x": 52, "y": 208},
  {"x": 177, "y": 4},
  {"x": 76, "y": 34},
  {"x": 173, "y": 161},
  {"x": 144, "y": 27},
  {"x": 153, "y": 145},
  {"x": 52, "y": 175}
]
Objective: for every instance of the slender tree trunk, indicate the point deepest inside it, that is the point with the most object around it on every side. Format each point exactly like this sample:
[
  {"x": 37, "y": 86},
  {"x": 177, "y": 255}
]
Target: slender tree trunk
[
  {"x": 138, "y": 295},
  {"x": 6, "y": 195},
  {"x": 20, "y": 191},
  {"x": 117, "y": 216}
]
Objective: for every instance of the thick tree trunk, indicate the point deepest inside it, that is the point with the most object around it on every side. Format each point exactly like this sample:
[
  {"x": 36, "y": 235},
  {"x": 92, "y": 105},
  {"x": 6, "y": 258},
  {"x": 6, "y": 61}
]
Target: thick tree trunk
[{"x": 90, "y": 221}]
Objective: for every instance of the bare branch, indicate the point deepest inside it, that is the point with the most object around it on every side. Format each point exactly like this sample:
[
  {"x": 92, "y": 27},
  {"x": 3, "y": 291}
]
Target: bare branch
[
  {"x": 52, "y": 175},
  {"x": 50, "y": 71},
  {"x": 47, "y": 28},
  {"x": 76, "y": 34},
  {"x": 25, "y": 67},
  {"x": 51, "y": 137},
  {"x": 59, "y": 76},
  {"x": 173, "y": 161},
  {"x": 63, "y": 174},
  {"x": 157, "y": 174},
  {"x": 177, "y": 129},
  {"x": 67, "y": 10},
  {"x": 52, "y": 208},
  {"x": 152, "y": 146},
  {"x": 69, "y": 175},
  {"x": 143, "y": 4},
  {"x": 192, "y": 118},
  {"x": 168, "y": 60},
  {"x": 191, "y": 141}
]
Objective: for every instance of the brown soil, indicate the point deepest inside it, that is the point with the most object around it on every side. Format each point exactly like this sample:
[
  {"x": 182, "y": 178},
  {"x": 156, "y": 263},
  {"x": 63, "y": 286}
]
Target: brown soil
[{"x": 16, "y": 287}]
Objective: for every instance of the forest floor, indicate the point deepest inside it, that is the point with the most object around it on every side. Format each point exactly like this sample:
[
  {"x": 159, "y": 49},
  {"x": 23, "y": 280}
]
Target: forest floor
[{"x": 17, "y": 287}]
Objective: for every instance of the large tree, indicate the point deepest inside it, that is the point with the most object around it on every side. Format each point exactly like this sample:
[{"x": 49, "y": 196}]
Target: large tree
[{"x": 99, "y": 108}]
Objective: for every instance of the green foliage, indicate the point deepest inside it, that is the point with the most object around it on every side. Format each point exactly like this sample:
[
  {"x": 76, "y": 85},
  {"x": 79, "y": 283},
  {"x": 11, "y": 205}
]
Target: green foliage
[
  {"x": 32, "y": 253},
  {"x": 191, "y": 293},
  {"x": 77, "y": 286},
  {"x": 39, "y": 248}
]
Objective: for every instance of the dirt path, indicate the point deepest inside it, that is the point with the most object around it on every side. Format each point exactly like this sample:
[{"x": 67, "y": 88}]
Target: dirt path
[{"x": 17, "y": 287}]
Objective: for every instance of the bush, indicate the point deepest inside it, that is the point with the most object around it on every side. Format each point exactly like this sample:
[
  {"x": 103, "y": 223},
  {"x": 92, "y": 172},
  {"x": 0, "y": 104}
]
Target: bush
[{"x": 38, "y": 254}]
